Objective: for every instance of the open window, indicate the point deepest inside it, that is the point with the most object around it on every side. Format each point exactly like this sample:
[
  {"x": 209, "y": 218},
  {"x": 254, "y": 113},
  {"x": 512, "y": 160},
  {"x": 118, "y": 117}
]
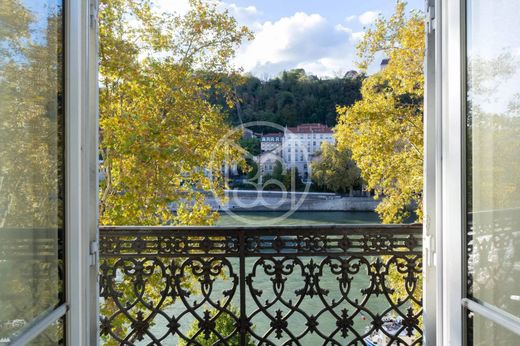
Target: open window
[
  {"x": 48, "y": 172},
  {"x": 480, "y": 160}
]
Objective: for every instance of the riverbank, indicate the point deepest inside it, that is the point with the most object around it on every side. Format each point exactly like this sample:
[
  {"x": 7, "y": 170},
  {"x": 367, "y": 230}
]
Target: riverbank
[{"x": 271, "y": 201}]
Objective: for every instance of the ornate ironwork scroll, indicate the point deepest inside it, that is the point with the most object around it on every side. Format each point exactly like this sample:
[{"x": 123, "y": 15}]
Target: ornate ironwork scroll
[{"x": 305, "y": 285}]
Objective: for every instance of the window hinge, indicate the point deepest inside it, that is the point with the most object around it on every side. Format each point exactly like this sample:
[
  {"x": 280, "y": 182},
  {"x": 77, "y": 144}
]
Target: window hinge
[
  {"x": 93, "y": 253},
  {"x": 430, "y": 19}
]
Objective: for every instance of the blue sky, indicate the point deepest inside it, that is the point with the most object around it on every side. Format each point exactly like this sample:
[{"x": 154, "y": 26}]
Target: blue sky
[
  {"x": 317, "y": 35},
  {"x": 334, "y": 10}
]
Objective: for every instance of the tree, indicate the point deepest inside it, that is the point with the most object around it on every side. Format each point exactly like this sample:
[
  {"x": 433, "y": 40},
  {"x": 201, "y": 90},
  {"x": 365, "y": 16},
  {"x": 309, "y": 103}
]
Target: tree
[
  {"x": 225, "y": 325},
  {"x": 161, "y": 139},
  {"x": 289, "y": 99},
  {"x": 160, "y": 136},
  {"x": 335, "y": 169},
  {"x": 278, "y": 171},
  {"x": 384, "y": 130},
  {"x": 253, "y": 169},
  {"x": 291, "y": 179},
  {"x": 251, "y": 145}
]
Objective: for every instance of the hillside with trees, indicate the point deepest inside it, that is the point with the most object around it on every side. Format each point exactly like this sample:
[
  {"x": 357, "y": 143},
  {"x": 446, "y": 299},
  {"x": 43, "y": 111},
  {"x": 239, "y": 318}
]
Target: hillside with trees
[{"x": 290, "y": 99}]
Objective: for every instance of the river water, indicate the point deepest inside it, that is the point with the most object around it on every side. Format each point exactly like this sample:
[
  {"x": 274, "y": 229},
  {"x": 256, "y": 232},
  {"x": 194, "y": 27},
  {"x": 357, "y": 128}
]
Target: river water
[
  {"x": 311, "y": 305},
  {"x": 297, "y": 218}
]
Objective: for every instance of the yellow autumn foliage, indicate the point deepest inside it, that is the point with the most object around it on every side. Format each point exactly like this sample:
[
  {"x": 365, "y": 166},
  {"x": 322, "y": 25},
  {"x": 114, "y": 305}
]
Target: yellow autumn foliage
[
  {"x": 384, "y": 130},
  {"x": 159, "y": 134}
]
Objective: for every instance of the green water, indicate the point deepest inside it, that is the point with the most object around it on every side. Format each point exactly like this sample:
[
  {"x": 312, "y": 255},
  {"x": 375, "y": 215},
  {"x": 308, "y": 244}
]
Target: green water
[
  {"x": 298, "y": 218},
  {"x": 309, "y": 305},
  {"x": 261, "y": 281}
]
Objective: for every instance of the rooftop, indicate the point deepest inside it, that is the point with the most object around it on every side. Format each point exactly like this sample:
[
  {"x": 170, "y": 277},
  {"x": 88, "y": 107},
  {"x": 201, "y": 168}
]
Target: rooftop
[
  {"x": 310, "y": 128},
  {"x": 272, "y": 134}
]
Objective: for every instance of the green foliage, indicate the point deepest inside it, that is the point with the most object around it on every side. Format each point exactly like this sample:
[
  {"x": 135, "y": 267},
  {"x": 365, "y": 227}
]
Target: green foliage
[
  {"x": 225, "y": 325},
  {"x": 278, "y": 171},
  {"x": 384, "y": 130},
  {"x": 251, "y": 145},
  {"x": 159, "y": 132},
  {"x": 290, "y": 99},
  {"x": 278, "y": 175},
  {"x": 252, "y": 173},
  {"x": 291, "y": 179},
  {"x": 335, "y": 169}
]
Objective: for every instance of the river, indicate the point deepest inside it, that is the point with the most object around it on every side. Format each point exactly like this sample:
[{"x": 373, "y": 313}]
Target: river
[
  {"x": 298, "y": 218},
  {"x": 311, "y": 305}
]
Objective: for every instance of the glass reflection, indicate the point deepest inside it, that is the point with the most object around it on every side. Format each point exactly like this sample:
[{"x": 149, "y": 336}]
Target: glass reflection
[
  {"x": 31, "y": 161},
  {"x": 487, "y": 333},
  {"x": 493, "y": 153},
  {"x": 52, "y": 336}
]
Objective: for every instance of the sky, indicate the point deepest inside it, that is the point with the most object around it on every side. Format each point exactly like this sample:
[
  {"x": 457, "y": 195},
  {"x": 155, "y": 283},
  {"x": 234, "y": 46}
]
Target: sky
[{"x": 316, "y": 35}]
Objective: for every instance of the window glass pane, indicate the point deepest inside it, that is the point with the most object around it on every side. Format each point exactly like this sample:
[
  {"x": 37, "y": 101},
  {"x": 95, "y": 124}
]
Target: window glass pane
[
  {"x": 31, "y": 161},
  {"x": 493, "y": 152},
  {"x": 52, "y": 336},
  {"x": 484, "y": 332}
]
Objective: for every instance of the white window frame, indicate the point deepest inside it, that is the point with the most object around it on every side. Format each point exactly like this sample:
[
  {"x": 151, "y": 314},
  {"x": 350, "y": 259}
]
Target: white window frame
[
  {"x": 81, "y": 180},
  {"x": 432, "y": 260},
  {"x": 449, "y": 165},
  {"x": 452, "y": 304},
  {"x": 81, "y": 155}
]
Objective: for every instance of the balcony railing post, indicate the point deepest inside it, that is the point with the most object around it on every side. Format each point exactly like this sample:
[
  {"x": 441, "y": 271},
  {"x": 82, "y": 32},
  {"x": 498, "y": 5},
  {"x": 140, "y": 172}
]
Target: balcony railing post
[{"x": 243, "y": 327}]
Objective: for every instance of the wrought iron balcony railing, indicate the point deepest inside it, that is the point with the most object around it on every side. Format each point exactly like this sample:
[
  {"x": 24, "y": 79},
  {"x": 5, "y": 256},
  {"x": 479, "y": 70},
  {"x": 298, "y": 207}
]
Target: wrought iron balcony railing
[{"x": 304, "y": 285}]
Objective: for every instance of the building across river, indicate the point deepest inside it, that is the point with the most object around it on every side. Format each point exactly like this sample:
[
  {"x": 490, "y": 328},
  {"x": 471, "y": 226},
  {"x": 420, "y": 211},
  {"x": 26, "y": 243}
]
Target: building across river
[{"x": 296, "y": 147}]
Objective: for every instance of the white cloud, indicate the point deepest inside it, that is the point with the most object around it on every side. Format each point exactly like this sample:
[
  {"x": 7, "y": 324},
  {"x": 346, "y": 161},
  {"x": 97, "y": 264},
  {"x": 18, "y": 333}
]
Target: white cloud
[
  {"x": 333, "y": 66},
  {"x": 302, "y": 40},
  {"x": 235, "y": 9},
  {"x": 243, "y": 14},
  {"x": 277, "y": 42},
  {"x": 368, "y": 17},
  {"x": 343, "y": 28},
  {"x": 357, "y": 36}
]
